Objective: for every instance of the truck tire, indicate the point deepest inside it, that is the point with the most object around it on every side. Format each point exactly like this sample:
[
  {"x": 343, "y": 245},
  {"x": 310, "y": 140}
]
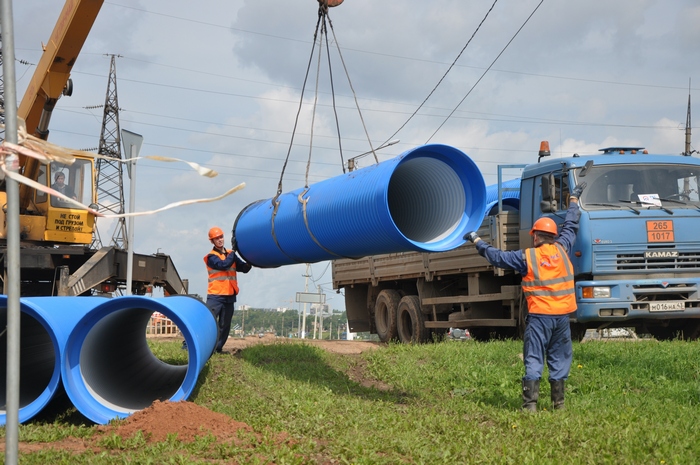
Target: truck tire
[
  {"x": 578, "y": 331},
  {"x": 385, "y": 314},
  {"x": 663, "y": 333},
  {"x": 522, "y": 318},
  {"x": 684, "y": 330},
  {"x": 692, "y": 329},
  {"x": 410, "y": 322},
  {"x": 482, "y": 334}
]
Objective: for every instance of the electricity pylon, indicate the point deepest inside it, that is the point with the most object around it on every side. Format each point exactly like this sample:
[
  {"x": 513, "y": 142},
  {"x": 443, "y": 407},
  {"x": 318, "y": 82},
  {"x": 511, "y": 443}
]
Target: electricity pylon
[{"x": 110, "y": 180}]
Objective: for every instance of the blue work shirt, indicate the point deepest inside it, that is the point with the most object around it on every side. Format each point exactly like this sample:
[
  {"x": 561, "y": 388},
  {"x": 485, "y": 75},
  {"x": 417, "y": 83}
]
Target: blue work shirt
[
  {"x": 218, "y": 264},
  {"x": 515, "y": 259}
]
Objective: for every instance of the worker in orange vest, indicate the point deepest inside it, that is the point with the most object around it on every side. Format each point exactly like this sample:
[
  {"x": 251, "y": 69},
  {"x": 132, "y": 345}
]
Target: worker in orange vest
[
  {"x": 222, "y": 289},
  {"x": 548, "y": 286}
]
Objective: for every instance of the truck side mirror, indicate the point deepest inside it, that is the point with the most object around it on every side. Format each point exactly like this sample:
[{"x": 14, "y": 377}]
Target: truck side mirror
[{"x": 549, "y": 194}]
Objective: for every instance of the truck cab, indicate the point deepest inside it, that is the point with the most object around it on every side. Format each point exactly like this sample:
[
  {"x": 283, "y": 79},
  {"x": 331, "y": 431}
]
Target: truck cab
[{"x": 637, "y": 252}]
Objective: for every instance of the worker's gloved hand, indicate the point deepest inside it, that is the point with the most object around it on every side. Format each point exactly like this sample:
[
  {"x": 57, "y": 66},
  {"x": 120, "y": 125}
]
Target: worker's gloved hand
[
  {"x": 578, "y": 190},
  {"x": 234, "y": 244},
  {"x": 471, "y": 237}
]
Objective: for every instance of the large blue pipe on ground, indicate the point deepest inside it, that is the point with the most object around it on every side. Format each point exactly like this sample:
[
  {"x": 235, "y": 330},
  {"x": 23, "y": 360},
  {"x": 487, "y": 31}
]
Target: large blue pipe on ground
[
  {"x": 109, "y": 371},
  {"x": 424, "y": 200},
  {"x": 45, "y": 323}
]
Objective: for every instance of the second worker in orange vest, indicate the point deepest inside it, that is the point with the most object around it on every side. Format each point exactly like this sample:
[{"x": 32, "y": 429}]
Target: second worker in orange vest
[
  {"x": 222, "y": 287},
  {"x": 548, "y": 287}
]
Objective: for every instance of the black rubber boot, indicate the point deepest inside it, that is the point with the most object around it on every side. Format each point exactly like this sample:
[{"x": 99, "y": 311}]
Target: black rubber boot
[
  {"x": 557, "y": 394},
  {"x": 531, "y": 392}
]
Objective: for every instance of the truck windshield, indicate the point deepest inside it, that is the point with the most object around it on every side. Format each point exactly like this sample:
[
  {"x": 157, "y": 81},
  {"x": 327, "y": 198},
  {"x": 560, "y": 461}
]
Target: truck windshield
[{"x": 670, "y": 186}]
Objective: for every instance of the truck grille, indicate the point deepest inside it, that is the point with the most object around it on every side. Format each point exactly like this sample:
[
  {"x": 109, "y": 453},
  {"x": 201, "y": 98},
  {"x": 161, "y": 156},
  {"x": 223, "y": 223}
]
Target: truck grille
[
  {"x": 615, "y": 261},
  {"x": 682, "y": 292},
  {"x": 683, "y": 261}
]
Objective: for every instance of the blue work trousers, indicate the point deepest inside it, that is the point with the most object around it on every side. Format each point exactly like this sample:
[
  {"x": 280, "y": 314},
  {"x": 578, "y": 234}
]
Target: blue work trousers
[
  {"x": 548, "y": 336},
  {"x": 221, "y": 306}
]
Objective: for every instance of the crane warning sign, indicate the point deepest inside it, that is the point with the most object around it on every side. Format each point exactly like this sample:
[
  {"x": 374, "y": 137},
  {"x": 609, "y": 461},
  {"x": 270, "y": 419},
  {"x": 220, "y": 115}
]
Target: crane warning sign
[{"x": 68, "y": 221}]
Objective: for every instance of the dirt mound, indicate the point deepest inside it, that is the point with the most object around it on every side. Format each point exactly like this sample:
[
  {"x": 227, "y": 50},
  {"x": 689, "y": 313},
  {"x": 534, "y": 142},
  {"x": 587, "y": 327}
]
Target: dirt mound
[{"x": 185, "y": 419}]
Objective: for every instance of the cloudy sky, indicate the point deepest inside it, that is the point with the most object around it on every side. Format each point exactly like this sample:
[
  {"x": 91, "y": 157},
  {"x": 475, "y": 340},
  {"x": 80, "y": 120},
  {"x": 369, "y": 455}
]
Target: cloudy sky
[{"x": 219, "y": 82}]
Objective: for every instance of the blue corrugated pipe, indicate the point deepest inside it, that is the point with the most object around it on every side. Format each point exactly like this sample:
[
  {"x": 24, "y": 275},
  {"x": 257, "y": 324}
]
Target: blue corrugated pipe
[
  {"x": 424, "y": 200},
  {"x": 510, "y": 197},
  {"x": 45, "y": 323},
  {"x": 109, "y": 371}
]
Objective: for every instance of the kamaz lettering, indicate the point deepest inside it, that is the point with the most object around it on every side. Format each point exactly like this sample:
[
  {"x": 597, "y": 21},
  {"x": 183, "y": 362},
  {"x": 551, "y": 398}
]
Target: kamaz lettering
[{"x": 661, "y": 254}]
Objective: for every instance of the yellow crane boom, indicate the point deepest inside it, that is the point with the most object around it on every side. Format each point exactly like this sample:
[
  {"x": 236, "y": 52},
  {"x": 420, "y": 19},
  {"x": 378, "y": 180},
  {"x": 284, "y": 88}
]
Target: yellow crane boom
[{"x": 51, "y": 78}]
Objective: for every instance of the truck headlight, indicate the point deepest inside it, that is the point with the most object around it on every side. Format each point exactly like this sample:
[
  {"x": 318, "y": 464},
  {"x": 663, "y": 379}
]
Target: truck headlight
[{"x": 596, "y": 292}]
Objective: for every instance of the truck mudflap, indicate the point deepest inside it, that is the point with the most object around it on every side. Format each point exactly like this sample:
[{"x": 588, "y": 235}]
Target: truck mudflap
[{"x": 621, "y": 300}]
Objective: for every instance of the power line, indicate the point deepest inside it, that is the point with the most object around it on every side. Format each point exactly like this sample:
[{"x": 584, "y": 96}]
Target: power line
[
  {"x": 444, "y": 75},
  {"x": 487, "y": 69},
  {"x": 504, "y": 119}
]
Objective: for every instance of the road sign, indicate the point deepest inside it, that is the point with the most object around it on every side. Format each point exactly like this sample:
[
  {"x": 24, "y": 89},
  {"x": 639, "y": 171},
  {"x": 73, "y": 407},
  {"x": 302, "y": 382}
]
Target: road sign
[{"x": 311, "y": 298}]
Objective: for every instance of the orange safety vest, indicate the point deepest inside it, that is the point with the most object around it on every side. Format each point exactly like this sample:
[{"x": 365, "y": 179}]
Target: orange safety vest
[
  {"x": 221, "y": 282},
  {"x": 549, "y": 283}
]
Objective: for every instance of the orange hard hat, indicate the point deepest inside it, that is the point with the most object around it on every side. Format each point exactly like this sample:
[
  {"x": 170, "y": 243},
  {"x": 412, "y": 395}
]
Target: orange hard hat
[
  {"x": 215, "y": 232},
  {"x": 545, "y": 225}
]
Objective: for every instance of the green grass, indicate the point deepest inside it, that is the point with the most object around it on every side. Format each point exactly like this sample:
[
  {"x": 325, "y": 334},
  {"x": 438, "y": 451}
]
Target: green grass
[{"x": 447, "y": 402}]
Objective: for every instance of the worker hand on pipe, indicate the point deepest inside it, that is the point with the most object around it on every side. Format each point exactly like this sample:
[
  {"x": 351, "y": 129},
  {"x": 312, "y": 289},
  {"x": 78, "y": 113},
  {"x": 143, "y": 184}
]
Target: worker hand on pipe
[
  {"x": 472, "y": 237},
  {"x": 234, "y": 244},
  {"x": 578, "y": 190}
]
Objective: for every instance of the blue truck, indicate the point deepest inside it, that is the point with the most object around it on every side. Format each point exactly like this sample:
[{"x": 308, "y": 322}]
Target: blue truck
[{"x": 636, "y": 256}]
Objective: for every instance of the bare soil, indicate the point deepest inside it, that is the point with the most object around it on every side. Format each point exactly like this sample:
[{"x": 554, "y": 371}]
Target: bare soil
[{"x": 339, "y": 347}]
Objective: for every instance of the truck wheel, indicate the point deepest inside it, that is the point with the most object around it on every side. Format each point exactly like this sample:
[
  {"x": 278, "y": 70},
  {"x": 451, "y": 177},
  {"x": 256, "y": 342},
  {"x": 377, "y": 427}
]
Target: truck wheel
[
  {"x": 685, "y": 330},
  {"x": 410, "y": 322},
  {"x": 663, "y": 333},
  {"x": 522, "y": 318},
  {"x": 578, "y": 331},
  {"x": 692, "y": 329},
  {"x": 385, "y": 314},
  {"x": 482, "y": 334}
]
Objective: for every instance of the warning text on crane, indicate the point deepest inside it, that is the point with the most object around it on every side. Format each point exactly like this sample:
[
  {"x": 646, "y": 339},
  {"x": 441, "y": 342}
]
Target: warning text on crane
[{"x": 68, "y": 221}]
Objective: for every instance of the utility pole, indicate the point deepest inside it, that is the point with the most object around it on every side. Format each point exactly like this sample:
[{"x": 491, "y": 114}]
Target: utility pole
[
  {"x": 132, "y": 143},
  {"x": 306, "y": 289},
  {"x": 12, "y": 255},
  {"x": 2, "y": 96},
  {"x": 688, "y": 149},
  {"x": 110, "y": 180},
  {"x": 320, "y": 318}
]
